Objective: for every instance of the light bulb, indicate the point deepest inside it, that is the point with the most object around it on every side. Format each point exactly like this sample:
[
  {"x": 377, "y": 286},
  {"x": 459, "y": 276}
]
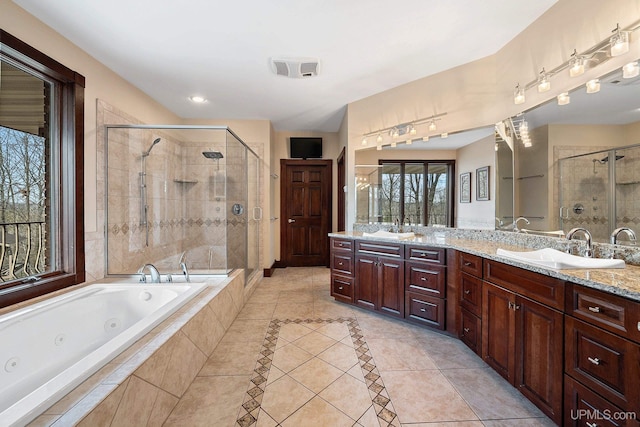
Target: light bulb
[
  {"x": 576, "y": 66},
  {"x": 425, "y": 138},
  {"x": 518, "y": 95},
  {"x": 630, "y": 70},
  {"x": 393, "y": 144},
  {"x": 593, "y": 86},
  {"x": 543, "y": 82},
  {"x": 444, "y": 135},
  {"x": 527, "y": 144},
  {"x": 409, "y": 141},
  {"x": 379, "y": 147},
  {"x": 563, "y": 98},
  {"x": 379, "y": 139},
  {"x": 364, "y": 141},
  {"x": 619, "y": 42},
  {"x": 395, "y": 133},
  {"x": 432, "y": 125}
]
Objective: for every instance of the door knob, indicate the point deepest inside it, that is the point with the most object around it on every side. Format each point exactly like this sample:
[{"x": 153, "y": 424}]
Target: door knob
[{"x": 291, "y": 220}]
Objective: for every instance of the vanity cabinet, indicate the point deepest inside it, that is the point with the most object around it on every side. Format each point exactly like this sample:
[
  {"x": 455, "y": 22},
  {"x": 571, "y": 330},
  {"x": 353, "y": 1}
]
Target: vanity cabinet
[
  {"x": 425, "y": 286},
  {"x": 522, "y": 335},
  {"x": 379, "y": 271},
  {"x": 342, "y": 269},
  {"x": 470, "y": 300},
  {"x": 602, "y": 353}
]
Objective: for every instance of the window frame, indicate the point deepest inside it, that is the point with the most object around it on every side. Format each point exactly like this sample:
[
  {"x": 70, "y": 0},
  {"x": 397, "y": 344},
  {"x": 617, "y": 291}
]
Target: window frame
[
  {"x": 450, "y": 185},
  {"x": 69, "y": 127}
]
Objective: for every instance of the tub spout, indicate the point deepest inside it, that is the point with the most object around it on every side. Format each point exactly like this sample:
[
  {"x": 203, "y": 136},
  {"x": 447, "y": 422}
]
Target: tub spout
[
  {"x": 185, "y": 271},
  {"x": 153, "y": 271}
]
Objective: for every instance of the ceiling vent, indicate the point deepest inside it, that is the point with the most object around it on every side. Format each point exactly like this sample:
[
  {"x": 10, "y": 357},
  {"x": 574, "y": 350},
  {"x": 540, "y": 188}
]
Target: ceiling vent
[{"x": 295, "y": 68}]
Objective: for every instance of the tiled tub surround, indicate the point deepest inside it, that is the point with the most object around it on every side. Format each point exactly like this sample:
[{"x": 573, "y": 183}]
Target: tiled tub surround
[
  {"x": 624, "y": 282},
  {"x": 143, "y": 384}
]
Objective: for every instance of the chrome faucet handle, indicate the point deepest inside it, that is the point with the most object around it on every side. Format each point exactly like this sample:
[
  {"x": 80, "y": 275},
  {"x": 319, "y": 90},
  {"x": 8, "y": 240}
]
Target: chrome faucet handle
[{"x": 185, "y": 271}]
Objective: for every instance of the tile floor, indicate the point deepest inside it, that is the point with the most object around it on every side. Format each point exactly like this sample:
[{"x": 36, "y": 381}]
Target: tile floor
[{"x": 294, "y": 357}]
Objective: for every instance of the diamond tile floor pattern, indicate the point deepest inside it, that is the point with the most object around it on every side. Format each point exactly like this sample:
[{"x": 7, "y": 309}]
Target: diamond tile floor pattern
[{"x": 295, "y": 358}]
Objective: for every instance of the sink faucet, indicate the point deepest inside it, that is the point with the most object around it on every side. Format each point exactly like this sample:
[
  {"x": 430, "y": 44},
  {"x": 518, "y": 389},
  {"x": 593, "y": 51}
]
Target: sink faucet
[
  {"x": 185, "y": 271},
  {"x": 587, "y": 237},
  {"x": 629, "y": 232},
  {"x": 155, "y": 274},
  {"x": 515, "y": 223}
]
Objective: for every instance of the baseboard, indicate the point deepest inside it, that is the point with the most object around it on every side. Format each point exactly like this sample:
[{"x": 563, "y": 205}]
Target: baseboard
[{"x": 268, "y": 272}]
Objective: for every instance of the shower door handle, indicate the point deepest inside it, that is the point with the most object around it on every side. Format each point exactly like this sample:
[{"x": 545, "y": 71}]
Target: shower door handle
[{"x": 291, "y": 220}]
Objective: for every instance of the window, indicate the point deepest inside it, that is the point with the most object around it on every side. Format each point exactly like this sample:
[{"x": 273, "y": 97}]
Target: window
[
  {"x": 41, "y": 173},
  {"x": 416, "y": 192}
]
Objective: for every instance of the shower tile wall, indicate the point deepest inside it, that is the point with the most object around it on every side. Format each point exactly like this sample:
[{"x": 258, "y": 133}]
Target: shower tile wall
[{"x": 628, "y": 189}]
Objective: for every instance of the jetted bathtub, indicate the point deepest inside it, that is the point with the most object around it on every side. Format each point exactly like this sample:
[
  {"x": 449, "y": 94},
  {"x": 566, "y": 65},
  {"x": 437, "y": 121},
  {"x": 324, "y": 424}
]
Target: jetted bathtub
[{"x": 49, "y": 348}]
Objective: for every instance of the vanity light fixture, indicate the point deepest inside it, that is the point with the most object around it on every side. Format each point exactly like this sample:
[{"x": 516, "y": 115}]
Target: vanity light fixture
[
  {"x": 393, "y": 144},
  {"x": 576, "y": 64},
  {"x": 543, "y": 81},
  {"x": 593, "y": 86},
  {"x": 630, "y": 70},
  {"x": 409, "y": 141},
  {"x": 425, "y": 138},
  {"x": 405, "y": 131},
  {"x": 619, "y": 41},
  {"x": 379, "y": 147},
  {"x": 412, "y": 130},
  {"x": 518, "y": 95},
  {"x": 432, "y": 126},
  {"x": 395, "y": 133},
  {"x": 444, "y": 135},
  {"x": 379, "y": 139},
  {"x": 564, "y": 98}
]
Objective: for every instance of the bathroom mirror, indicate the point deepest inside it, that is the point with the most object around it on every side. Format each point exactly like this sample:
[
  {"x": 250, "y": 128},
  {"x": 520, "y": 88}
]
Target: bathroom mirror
[{"x": 581, "y": 168}]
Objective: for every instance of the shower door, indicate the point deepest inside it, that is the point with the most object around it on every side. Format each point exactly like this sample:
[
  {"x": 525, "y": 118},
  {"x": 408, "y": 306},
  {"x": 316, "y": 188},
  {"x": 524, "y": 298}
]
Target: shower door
[
  {"x": 585, "y": 198},
  {"x": 627, "y": 188}
]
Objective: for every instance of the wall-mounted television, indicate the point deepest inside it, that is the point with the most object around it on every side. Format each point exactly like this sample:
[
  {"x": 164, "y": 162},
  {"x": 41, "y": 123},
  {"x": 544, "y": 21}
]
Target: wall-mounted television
[{"x": 306, "y": 147}]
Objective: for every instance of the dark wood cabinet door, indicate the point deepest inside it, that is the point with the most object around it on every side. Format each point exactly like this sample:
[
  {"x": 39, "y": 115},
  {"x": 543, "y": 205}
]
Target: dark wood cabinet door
[
  {"x": 539, "y": 349},
  {"x": 391, "y": 286},
  {"x": 498, "y": 330},
  {"x": 366, "y": 285}
]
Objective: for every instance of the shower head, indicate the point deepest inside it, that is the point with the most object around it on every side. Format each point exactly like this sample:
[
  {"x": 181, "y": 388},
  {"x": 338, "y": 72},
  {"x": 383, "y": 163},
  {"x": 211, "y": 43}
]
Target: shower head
[
  {"x": 215, "y": 155},
  {"x": 606, "y": 159},
  {"x": 146, "y": 153}
]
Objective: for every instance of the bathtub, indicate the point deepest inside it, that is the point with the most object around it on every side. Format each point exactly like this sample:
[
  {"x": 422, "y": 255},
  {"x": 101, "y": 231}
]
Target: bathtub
[{"x": 49, "y": 348}]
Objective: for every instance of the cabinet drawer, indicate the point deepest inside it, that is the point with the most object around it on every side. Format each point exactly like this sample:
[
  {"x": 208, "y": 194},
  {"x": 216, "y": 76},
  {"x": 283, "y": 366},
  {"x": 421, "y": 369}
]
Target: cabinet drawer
[
  {"x": 603, "y": 362},
  {"x": 470, "y": 330},
  {"x": 610, "y": 312},
  {"x": 386, "y": 249},
  {"x": 425, "y": 279},
  {"x": 425, "y": 310},
  {"x": 471, "y": 264},
  {"x": 342, "y": 263},
  {"x": 471, "y": 293},
  {"x": 538, "y": 287},
  {"x": 582, "y": 405},
  {"x": 342, "y": 288},
  {"x": 342, "y": 244},
  {"x": 426, "y": 254}
]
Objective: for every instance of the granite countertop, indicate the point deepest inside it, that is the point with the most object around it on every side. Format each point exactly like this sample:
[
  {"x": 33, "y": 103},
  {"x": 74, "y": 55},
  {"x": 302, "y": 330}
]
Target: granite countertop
[{"x": 624, "y": 282}]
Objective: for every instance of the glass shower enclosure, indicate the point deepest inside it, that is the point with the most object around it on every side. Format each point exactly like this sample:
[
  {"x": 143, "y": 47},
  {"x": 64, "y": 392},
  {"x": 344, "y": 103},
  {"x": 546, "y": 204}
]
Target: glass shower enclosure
[
  {"x": 181, "y": 194},
  {"x": 600, "y": 191}
]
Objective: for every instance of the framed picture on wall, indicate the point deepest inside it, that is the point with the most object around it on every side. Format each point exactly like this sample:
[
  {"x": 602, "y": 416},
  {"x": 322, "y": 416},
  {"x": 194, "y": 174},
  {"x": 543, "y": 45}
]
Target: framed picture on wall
[
  {"x": 482, "y": 183},
  {"x": 465, "y": 187}
]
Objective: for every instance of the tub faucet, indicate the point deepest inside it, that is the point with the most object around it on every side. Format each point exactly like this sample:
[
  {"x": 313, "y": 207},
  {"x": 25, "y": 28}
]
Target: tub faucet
[
  {"x": 587, "y": 238},
  {"x": 515, "y": 223},
  {"x": 629, "y": 232},
  {"x": 185, "y": 270},
  {"x": 155, "y": 274}
]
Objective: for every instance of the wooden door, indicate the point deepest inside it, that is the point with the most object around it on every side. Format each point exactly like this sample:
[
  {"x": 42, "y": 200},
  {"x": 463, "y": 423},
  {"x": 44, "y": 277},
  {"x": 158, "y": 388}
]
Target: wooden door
[
  {"x": 366, "y": 286},
  {"x": 539, "y": 350},
  {"x": 305, "y": 208},
  {"x": 391, "y": 286},
  {"x": 498, "y": 330}
]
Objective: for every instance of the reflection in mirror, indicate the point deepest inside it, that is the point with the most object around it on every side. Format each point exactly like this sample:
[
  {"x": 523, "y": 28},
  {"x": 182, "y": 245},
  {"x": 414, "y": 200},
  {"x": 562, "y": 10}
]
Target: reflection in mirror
[
  {"x": 504, "y": 182},
  {"x": 583, "y": 165}
]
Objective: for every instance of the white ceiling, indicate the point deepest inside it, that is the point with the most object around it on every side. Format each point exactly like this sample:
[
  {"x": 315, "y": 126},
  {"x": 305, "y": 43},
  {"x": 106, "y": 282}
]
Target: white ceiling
[{"x": 221, "y": 50}]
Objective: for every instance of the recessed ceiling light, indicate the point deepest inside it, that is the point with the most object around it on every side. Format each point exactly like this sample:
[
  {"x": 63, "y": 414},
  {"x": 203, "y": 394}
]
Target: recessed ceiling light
[{"x": 198, "y": 99}]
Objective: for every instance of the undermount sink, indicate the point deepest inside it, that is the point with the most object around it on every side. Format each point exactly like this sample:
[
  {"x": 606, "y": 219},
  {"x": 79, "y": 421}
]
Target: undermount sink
[
  {"x": 558, "y": 260},
  {"x": 390, "y": 235}
]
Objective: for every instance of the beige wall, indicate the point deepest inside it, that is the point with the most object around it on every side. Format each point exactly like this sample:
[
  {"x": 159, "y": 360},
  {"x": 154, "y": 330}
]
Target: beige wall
[{"x": 479, "y": 213}]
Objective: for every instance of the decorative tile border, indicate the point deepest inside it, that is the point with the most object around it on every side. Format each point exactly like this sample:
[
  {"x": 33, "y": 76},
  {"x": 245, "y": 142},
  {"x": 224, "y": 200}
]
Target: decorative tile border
[{"x": 250, "y": 408}]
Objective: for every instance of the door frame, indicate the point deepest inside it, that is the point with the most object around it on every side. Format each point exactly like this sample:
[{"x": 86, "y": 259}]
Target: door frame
[
  {"x": 341, "y": 193},
  {"x": 284, "y": 165}
]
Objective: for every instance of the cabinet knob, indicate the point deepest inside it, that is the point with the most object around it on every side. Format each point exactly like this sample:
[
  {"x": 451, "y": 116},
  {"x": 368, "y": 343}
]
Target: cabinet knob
[
  {"x": 467, "y": 291},
  {"x": 466, "y": 330},
  {"x": 594, "y": 360},
  {"x": 595, "y": 309}
]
